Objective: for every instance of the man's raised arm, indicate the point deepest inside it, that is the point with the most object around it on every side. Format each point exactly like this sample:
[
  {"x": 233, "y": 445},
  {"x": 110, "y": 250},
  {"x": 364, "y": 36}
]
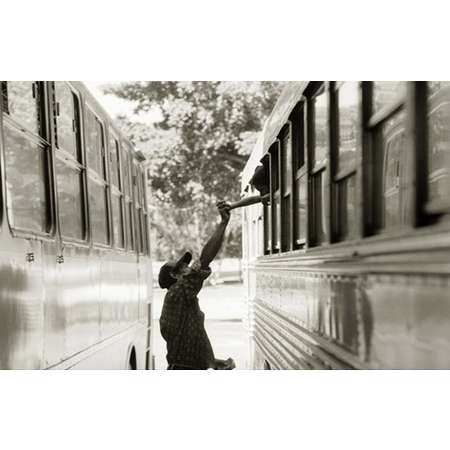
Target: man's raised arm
[{"x": 212, "y": 247}]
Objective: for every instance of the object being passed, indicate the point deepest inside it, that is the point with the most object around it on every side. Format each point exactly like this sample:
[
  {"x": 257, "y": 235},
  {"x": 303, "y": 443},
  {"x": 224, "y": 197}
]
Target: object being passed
[{"x": 260, "y": 181}]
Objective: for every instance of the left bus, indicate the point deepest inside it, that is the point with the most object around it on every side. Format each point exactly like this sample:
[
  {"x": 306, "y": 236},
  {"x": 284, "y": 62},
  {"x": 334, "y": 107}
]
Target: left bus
[{"x": 75, "y": 270}]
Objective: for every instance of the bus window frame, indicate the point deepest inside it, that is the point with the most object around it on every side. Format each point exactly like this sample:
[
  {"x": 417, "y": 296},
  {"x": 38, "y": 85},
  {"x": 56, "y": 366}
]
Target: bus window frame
[
  {"x": 286, "y": 189},
  {"x": 298, "y": 119},
  {"x": 429, "y": 211},
  {"x": 43, "y": 139},
  {"x": 117, "y": 190},
  {"x": 275, "y": 193},
  {"x": 321, "y": 170},
  {"x": 70, "y": 161},
  {"x": 339, "y": 177},
  {"x": 267, "y": 212},
  {"x": 97, "y": 178},
  {"x": 373, "y": 120}
]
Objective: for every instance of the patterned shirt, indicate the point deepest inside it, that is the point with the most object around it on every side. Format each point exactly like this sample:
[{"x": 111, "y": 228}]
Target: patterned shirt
[{"x": 182, "y": 322}]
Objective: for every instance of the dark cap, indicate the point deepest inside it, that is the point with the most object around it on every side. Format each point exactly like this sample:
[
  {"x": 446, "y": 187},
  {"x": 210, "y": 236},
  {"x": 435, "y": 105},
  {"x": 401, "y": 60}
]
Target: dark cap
[{"x": 165, "y": 278}]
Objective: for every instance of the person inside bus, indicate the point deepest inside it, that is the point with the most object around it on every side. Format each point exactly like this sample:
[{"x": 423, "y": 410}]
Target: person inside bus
[
  {"x": 182, "y": 322},
  {"x": 260, "y": 181}
]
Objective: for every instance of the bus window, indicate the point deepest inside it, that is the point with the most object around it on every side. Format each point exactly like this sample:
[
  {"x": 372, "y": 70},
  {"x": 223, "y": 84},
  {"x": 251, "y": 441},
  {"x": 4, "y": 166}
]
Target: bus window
[
  {"x": 317, "y": 209},
  {"x": 266, "y": 212},
  {"x": 300, "y": 178},
  {"x": 320, "y": 128},
  {"x": 68, "y": 166},
  {"x": 145, "y": 213},
  {"x": 318, "y": 144},
  {"x": 275, "y": 195},
  {"x": 116, "y": 191},
  {"x": 98, "y": 188},
  {"x": 25, "y": 156},
  {"x": 387, "y": 126},
  {"x": 22, "y": 104},
  {"x": 286, "y": 181},
  {"x": 438, "y": 145},
  {"x": 129, "y": 201},
  {"x": 137, "y": 208},
  {"x": 348, "y": 130}
]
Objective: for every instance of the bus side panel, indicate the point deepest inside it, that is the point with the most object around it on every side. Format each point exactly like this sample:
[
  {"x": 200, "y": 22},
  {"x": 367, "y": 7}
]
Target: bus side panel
[
  {"x": 411, "y": 321},
  {"x": 21, "y": 303}
]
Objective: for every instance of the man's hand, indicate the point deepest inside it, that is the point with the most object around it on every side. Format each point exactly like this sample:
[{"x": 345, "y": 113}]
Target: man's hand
[
  {"x": 227, "y": 364},
  {"x": 224, "y": 211}
]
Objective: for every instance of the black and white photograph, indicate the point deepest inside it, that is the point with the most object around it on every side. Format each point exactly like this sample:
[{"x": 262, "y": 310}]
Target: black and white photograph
[
  {"x": 281, "y": 242},
  {"x": 225, "y": 225}
]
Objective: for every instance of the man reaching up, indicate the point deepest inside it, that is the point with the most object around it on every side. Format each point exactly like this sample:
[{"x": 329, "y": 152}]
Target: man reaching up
[{"x": 182, "y": 322}]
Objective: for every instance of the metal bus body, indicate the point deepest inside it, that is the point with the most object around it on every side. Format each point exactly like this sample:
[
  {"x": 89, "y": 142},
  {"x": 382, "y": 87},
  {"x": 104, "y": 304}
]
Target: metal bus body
[
  {"x": 75, "y": 271},
  {"x": 351, "y": 268}
]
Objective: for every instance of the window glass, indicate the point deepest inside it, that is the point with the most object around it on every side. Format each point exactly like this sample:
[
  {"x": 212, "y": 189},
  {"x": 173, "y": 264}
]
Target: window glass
[
  {"x": 25, "y": 181},
  {"x": 387, "y": 92},
  {"x": 286, "y": 223},
  {"x": 70, "y": 205},
  {"x": 117, "y": 220},
  {"x": 301, "y": 209},
  {"x": 276, "y": 221},
  {"x": 346, "y": 208},
  {"x": 286, "y": 152},
  {"x": 65, "y": 121},
  {"x": 320, "y": 151},
  {"x": 126, "y": 173},
  {"x": 348, "y": 95},
  {"x": 318, "y": 209},
  {"x": 267, "y": 230},
  {"x": 114, "y": 158},
  {"x": 130, "y": 224},
  {"x": 137, "y": 230},
  {"x": 98, "y": 212},
  {"x": 438, "y": 140},
  {"x": 22, "y": 103},
  {"x": 94, "y": 143},
  {"x": 142, "y": 229},
  {"x": 393, "y": 147},
  {"x": 144, "y": 191}
]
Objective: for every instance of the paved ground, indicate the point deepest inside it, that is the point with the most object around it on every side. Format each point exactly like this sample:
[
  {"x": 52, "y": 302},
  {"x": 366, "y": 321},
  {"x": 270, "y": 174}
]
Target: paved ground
[{"x": 224, "y": 310}]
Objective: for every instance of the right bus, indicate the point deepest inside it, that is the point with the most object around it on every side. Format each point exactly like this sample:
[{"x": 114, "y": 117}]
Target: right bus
[{"x": 348, "y": 265}]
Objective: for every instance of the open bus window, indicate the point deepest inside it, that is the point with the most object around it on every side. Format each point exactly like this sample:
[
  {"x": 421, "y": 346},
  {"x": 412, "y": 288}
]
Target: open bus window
[
  {"x": 68, "y": 165},
  {"x": 348, "y": 130},
  {"x": 438, "y": 145},
  {"x": 25, "y": 156},
  {"x": 275, "y": 199}
]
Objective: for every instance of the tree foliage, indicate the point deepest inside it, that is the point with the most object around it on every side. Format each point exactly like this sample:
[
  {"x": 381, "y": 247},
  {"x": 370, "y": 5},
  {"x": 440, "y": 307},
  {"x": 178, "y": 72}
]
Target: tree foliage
[{"x": 196, "y": 152}]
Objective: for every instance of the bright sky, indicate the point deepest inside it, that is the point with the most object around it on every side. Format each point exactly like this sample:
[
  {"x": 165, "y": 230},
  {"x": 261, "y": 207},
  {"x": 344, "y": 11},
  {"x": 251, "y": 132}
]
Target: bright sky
[{"x": 116, "y": 106}]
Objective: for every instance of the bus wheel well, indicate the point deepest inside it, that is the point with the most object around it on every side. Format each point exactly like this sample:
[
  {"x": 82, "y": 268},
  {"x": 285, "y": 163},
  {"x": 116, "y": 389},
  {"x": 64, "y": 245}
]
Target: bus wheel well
[{"x": 132, "y": 365}]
